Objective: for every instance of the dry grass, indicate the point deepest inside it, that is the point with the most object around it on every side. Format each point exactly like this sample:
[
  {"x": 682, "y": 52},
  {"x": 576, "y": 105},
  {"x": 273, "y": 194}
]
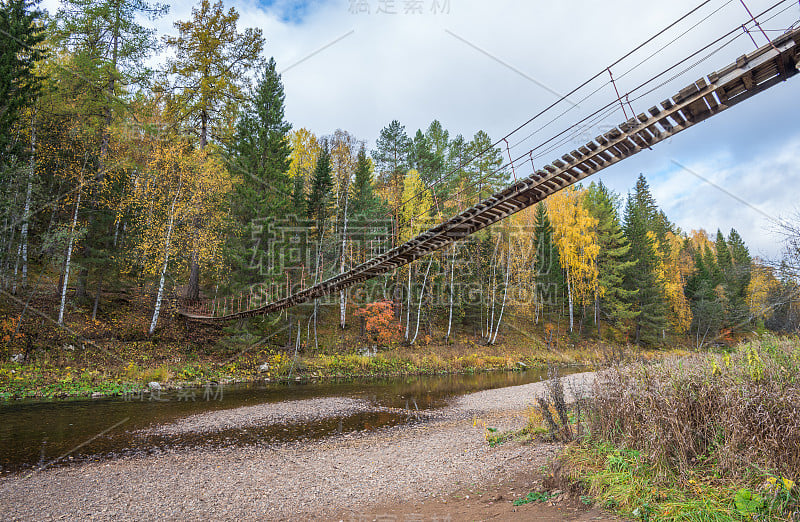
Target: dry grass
[{"x": 737, "y": 413}]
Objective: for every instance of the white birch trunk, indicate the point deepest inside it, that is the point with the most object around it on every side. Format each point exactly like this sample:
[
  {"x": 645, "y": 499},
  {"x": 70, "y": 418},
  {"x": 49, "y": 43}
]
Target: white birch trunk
[
  {"x": 505, "y": 293},
  {"x": 450, "y": 315},
  {"x": 26, "y": 215},
  {"x": 343, "y": 293},
  {"x": 408, "y": 304},
  {"x": 421, "y": 295},
  {"x": 490, "y": 320},
  {"x": 69, "y": 255},
  {"x": 16, "y": 268},
  {"x": 160, "y": 294},
  {"x": 569, "y": 295}
]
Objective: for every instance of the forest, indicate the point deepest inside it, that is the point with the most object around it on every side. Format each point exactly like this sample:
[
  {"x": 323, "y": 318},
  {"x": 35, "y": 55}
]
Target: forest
[{"x": 183, "y": 182}]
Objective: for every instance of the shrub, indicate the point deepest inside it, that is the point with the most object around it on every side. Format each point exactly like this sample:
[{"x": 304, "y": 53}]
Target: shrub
[{"x": 737, "y": 413}]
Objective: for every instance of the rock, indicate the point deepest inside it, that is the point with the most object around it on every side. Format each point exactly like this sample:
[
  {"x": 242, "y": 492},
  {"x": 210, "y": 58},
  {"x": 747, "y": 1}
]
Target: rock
[
  {"x": 153, "y": 385},
  {"x": 18, "y": 358},
  {"x": 97, "y": 395},
  {"x": 264, "y": 368}
]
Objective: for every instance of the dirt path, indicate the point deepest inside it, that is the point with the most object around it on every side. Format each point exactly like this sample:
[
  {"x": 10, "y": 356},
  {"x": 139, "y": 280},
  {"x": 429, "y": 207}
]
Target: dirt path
[{"x": 392, "y": 472}]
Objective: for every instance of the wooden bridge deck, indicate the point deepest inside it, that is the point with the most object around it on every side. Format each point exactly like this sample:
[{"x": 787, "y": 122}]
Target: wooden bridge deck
[{"x": 749, "y": 75}]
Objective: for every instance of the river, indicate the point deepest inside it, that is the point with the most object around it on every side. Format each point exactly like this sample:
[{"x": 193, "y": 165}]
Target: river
[{"x": 37, "y": 434}]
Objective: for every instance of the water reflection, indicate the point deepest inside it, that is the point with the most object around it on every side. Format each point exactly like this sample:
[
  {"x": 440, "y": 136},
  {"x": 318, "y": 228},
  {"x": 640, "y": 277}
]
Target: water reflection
[{"x": 35, "y": 433}]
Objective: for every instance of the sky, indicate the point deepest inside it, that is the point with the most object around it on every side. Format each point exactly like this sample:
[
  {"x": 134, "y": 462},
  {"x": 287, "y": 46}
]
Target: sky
[{"x": 492, "y": 65}]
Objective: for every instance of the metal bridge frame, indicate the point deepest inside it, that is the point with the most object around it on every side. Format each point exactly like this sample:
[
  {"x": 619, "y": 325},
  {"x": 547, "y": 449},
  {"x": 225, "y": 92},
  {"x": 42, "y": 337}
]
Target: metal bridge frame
[{"x": 749, "y": 75}]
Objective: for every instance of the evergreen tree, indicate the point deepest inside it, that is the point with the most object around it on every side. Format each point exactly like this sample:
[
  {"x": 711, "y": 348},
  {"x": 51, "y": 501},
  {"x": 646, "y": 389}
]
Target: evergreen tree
[
  {"x": 738, "y": 280},
  {"x": 437, "y": 139},
  {"x": 261, "y": 148},
  {"x": 486, "y": 164},
  {"x": 702, "y": 290},
  {"x": 550, "y": 284},
  {"x": 367, "y": 207},
  {"x": 391, "y": 157},
  {"x": 364, "y": 201},
  {"x": 319, "y": 198},
  {"x": 391, "y": 164},
  {"x": 22, "y": 31},
  {"x": 298, "y": 197},
  {"x": 648, "y": 301},
  {"x": 614, "y": 300},
  {"x": 260, "y": 156},
  {"x": 724, "y": 260}
]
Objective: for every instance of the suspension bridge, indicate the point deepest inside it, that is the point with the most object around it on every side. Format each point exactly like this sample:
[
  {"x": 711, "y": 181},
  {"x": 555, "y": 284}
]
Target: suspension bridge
[{"x": 750, "y": 74}]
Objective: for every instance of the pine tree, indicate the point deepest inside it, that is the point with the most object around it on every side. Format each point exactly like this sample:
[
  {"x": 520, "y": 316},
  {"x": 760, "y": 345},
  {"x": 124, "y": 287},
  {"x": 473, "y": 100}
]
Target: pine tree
[
  {"x": 318, "y": 203},
  {"x": 486, "y": 165},
  {"x": 708, "y": 310},
  {"x": 648, "y": 301},
  {"x": 260, "y": 156},
  {"x": 550, "y": 286},
  {"x": 738, "y": 280},
  {"x": 724, "y": 259},
  {"x": 365, "y": 202},
  {"x": 23, "y": 31},
  {"x": 613, "y": 301}
]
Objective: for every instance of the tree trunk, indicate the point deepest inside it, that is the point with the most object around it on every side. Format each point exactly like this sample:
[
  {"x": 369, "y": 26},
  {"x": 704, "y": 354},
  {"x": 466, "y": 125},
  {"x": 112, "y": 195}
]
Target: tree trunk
[
  {"x": 69, "y": 255},
  {"x": 97, "y": 296},
  {"x": 569, "y": 296},
  {"x": 505, "y": 293},
  {"x": 450, "y": 315},
  {"x": 343, "y": 293},
  {"x": 490, "y": 321},
  {"x": 408, "y": 305},
  {"x": 597, "y": 315},
  {"x": 160, "y": 293},
  {"x": 193, "y": 288},
  {"x": 26, "y": 215},
  {"x": 421, "y": 295}
]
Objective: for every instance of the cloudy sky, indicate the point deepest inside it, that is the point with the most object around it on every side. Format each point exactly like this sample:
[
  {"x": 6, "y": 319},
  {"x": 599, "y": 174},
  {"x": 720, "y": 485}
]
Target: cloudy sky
[{"x": 492, "y": 65}]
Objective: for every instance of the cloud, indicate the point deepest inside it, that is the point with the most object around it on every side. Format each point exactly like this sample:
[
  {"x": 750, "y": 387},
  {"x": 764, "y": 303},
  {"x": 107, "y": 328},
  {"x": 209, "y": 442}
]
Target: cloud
[
  {"x": 765, "y": 182},
  {"x": 408, "y": 66}
]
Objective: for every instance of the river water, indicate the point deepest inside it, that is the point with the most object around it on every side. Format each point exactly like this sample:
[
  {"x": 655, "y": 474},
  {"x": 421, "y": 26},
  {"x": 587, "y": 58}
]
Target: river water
[{"x": 36, "y": 434}]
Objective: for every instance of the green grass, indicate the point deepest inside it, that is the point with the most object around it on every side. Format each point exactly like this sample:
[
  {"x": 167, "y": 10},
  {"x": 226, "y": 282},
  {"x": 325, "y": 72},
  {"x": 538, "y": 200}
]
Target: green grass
[
  {"x": 533, "y": 496},
  {"x": 624, "y": 480}
]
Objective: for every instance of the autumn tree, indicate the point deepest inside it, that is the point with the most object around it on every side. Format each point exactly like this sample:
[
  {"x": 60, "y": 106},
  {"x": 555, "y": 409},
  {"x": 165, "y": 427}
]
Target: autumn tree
[
  {"x": 574, "y": 233},
  {"x": 209, "y": 72},
  {"x": 179, "y": 187},
  {"x": 110, "y": 48}
]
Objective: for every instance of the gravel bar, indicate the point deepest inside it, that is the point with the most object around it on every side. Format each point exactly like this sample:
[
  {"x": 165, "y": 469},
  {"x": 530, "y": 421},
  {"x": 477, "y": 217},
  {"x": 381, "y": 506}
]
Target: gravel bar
[{"x": 294, "y": 481}]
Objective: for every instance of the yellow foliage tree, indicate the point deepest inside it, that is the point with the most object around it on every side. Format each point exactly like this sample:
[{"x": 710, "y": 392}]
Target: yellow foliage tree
[
  {"x": 305, "y": 149},
  {"x": 179, "y": 206},
  {"x": 762, "y": 284},
  {"x": 671, "y": 269},
  {"x": 574, "y": 233}
]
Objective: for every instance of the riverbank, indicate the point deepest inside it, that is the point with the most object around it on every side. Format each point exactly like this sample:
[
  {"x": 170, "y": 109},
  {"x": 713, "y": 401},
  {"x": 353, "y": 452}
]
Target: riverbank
[
  {"x": 114, "y": 355},
  {"x": 104, "y": 369},
  {"x": 336, "y": 478}
]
